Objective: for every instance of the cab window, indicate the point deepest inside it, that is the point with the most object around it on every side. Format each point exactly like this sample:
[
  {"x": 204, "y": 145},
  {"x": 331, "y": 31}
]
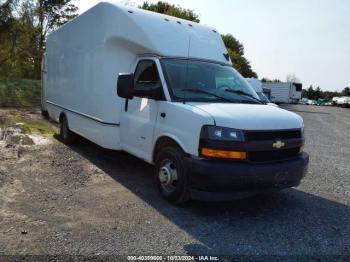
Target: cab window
[{"x": 146, "y": 75}]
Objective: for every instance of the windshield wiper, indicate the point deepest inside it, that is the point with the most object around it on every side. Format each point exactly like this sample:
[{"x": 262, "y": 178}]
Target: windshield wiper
[
  {"x": 197, "y": 90},
  {"x": 240, "y": 92}
]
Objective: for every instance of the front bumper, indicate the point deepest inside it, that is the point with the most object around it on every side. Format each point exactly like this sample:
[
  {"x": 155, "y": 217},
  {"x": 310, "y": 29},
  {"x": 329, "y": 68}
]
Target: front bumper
[{"x": 209, "y": 175}]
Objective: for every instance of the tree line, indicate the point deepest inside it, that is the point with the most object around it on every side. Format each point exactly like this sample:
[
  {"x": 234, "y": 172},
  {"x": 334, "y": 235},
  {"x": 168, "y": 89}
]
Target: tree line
[
  {"x": 317, "y": 93},
  {"x": 311, "y": 92},
  {"x": 25, "y": 24}
]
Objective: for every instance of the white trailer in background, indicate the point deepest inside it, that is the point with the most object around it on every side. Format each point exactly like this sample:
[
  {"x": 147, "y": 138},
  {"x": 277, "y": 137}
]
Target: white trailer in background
[
  {"x": 344, "y": 101},
  {"x": 284, "y": 93},
  {"x": 335, "y": 100}
]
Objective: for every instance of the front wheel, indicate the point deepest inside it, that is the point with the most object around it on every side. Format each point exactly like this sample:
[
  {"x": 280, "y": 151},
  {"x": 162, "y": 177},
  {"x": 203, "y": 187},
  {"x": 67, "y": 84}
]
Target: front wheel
[{"x": 171, "y": 176}]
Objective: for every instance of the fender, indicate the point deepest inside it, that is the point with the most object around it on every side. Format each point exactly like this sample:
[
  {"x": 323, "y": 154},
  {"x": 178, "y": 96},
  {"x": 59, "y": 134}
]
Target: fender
[{"x": 171, "y": 136}]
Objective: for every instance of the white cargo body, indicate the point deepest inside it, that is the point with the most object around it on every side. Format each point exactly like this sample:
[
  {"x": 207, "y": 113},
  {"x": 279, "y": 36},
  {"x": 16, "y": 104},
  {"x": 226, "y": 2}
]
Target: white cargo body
[
  {"x": 86, "y": 55},
  {"x": 288, "y": 93},
  {"x": 163, "y": 89}
]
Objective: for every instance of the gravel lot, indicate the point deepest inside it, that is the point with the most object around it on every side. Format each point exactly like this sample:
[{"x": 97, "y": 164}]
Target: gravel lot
[{"x": 84, "y": 200}]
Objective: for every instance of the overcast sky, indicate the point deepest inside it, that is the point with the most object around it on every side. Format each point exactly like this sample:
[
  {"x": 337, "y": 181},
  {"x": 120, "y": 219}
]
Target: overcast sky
[{"x": 308, "y": 38}]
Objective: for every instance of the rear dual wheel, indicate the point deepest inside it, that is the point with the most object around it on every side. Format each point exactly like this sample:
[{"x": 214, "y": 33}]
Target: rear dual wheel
[
  {"x": 67, "y": 136},
  {"x": 45, "y": 114}
]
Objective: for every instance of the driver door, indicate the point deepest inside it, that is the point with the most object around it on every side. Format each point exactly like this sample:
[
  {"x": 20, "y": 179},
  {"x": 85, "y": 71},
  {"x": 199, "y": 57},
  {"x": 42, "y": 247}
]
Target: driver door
[{"x": 139, "y": 115}]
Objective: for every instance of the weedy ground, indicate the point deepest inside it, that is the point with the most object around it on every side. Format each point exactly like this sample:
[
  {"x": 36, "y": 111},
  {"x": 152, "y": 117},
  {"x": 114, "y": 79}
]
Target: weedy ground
[
  {"x": 29, "y": 124},
  {"x": 19, "y": 93},
  {"x": 85, "y": 200}
]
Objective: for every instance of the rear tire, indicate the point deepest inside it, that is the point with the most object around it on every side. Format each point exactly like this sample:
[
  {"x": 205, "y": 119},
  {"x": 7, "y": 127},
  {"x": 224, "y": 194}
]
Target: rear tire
[
  {"x": 45, "y": 114},
  {"x": 67, "y": 136},
  {"x": 171, "y": 175}
]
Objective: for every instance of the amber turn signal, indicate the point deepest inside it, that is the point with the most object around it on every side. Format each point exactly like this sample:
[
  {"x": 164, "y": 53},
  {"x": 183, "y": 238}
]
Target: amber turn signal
[
  {"x": 301, "y": 149},
  {"x": 223, "y": 154}
]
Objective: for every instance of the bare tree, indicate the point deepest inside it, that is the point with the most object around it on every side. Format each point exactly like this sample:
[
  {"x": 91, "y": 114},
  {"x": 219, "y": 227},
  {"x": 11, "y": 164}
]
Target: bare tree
[{"x": 292, "y": 78}]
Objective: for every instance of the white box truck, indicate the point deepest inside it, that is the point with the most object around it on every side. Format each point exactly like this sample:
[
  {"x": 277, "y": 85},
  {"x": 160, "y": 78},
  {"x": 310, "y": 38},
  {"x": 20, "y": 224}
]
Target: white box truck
[
  {"x": 284, "y": 93},
  {"x": 335, "y": 100},
  {"x": 179, "y": 104},
  {"x": 344, "y": 101}
]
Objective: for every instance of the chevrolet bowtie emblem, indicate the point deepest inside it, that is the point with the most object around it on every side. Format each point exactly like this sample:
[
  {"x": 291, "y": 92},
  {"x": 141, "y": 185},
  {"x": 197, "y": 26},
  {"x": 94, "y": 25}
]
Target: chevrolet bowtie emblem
[{"x": 278, "y": 144}]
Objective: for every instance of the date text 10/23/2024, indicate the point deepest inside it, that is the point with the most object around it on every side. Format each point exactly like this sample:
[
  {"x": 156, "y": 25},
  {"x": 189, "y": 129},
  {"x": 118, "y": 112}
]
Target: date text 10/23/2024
[{"x": 173, "y": 258}]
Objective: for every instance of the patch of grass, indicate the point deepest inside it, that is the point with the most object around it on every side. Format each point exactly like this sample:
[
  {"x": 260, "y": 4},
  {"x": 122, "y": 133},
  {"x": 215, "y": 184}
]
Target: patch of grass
[
  {"x": 30, "y": 126},
  {"x": 20, "y": 92}
]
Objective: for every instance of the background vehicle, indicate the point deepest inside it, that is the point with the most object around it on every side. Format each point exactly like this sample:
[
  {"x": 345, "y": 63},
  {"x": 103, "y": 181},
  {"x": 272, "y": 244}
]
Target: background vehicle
[
  {"x": 335, "y": 100},
  {"x": 344, "y": 101},
  {"x": 321, "y": 102},
  {"x": 180, "y": 105},
  {"x": 311, "y": 102},
  {"x": 288, "y": 93},
  {"x": 256, "y": 84},
  {"x": 304, "y": 101}
]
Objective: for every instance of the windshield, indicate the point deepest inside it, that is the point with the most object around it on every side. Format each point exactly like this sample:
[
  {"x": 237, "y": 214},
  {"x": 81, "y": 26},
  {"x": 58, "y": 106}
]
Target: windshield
[
  {"x": 263, "y": 97},
  {"x": 198, "y": 81}
]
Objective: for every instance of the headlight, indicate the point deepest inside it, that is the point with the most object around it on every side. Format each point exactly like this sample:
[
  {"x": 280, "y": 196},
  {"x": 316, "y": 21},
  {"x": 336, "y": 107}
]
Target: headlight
[{"x": 222, "y": 133}]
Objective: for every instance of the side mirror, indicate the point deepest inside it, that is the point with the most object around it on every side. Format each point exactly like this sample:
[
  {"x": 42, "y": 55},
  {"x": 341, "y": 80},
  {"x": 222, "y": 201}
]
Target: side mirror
[{"x": 125, "y": 86}]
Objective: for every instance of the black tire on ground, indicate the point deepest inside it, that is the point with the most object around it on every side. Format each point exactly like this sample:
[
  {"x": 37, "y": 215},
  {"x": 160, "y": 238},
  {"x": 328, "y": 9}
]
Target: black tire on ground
[
  {"x": 171, "y": 176},
  {"x": 44, "y": 113},
  {"x": 67, "y": 136}
]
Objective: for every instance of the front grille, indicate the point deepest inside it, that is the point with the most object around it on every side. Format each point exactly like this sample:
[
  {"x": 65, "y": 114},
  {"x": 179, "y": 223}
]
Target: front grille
[
  {"x": 272, "y": 135},
  {"x": 265, "y": 156}
]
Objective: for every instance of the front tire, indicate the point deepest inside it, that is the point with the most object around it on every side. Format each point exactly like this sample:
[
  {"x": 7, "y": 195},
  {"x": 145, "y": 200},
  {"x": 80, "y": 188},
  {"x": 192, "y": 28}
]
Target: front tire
[
  {"x": 67, "y": 136},
  {"x": 171, "y": 175}
]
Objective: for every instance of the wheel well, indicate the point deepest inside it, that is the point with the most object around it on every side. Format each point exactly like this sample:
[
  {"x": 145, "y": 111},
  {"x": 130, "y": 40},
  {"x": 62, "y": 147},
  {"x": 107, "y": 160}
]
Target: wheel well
[{"x": 163, "y": 142}]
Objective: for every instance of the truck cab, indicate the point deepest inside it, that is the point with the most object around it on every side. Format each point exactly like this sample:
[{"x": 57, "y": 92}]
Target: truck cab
[{"x": 207, "y": 131}]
